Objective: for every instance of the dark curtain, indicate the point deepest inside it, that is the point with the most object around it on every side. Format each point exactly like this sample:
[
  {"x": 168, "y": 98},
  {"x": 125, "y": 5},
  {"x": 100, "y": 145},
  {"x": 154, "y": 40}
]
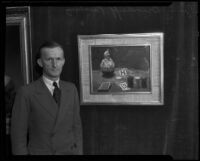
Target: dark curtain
[{"x": 181, "y": 140}]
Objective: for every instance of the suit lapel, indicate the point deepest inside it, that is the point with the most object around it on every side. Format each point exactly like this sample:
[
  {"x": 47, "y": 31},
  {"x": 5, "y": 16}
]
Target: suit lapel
[{"x": 45, "y": 98}]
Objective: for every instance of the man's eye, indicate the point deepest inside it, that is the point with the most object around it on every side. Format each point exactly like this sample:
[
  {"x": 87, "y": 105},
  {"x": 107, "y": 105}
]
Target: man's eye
[{"x": 48, "y": 59}]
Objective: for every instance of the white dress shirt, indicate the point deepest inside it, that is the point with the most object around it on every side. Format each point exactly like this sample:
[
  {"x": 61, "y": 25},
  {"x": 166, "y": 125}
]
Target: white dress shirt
[{"x": 49, "y": 83}]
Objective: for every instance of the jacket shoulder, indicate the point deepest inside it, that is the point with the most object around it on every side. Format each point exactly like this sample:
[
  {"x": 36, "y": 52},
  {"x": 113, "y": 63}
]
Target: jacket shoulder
[
  {"x": 29, "y": 87},
  {"x": 68, "y": 84}
]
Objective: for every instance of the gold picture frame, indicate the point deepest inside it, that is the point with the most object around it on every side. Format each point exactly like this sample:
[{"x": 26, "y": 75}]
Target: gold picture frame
[
  {"x": 18, "y": 23},
  {"x": 121, "y": 69}
]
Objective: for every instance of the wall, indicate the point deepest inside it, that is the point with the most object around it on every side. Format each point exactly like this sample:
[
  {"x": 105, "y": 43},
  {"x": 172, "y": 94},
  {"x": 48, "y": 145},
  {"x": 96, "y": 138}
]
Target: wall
[{"x": 112, "y": 129}]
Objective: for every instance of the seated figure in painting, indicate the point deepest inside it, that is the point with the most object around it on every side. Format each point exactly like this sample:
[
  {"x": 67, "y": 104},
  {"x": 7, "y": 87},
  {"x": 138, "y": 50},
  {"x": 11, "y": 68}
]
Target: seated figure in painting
[{"x": 107, "y": 65}]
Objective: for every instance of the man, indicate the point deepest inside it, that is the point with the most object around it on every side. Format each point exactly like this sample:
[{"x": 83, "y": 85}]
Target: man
[{"x": 47, "y": 110}]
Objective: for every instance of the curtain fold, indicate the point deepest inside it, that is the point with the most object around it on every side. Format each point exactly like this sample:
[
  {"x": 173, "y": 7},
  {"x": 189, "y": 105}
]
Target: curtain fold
[{"x": 181, "y": 140}]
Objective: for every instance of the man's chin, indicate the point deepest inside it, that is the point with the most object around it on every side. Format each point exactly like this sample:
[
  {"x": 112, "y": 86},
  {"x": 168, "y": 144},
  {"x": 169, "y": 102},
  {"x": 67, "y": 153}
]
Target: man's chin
[{"x": 54, "y": 76}]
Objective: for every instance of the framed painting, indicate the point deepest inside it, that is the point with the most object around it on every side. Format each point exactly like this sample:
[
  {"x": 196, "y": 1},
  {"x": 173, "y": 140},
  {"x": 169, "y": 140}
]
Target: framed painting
[
  {"x": 121, "y": 69},
  {"x": 18, "y": 58}
]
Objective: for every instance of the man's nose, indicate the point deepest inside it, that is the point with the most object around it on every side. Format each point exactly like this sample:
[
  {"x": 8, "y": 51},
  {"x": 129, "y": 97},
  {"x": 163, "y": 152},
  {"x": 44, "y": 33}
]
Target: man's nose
[{"x": 54, "y": 63}]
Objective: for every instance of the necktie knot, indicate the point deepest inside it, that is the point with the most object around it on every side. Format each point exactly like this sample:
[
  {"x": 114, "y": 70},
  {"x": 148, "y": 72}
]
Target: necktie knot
[{"x": 55, "y": 85}]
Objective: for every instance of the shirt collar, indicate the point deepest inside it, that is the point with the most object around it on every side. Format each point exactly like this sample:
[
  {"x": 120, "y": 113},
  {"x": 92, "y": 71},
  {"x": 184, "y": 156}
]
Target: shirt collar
[{"x": 49, "y": 82}]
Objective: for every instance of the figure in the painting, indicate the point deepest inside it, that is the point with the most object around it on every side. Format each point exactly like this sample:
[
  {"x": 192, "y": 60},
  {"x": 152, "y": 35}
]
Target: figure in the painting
[
  {"x": 9, "y": 100},
  {"x": 107, "y": 64}
]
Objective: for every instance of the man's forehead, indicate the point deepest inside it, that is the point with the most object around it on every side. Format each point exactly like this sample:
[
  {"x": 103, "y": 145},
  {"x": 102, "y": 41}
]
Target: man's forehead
[
  {"x": 51, "y": 51},
  {"x": 57, "y": 48}
]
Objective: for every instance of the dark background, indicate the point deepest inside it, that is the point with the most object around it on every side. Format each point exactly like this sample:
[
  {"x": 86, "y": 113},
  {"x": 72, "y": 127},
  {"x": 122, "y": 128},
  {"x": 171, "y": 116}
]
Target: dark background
[
  {"x": 169, "y": 129},
  {"x": 13, "y": 55}
]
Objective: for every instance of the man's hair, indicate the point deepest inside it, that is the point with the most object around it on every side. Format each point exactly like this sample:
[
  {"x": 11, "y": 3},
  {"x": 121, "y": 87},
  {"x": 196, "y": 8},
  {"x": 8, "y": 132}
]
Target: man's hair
[{"x": 46, "y": 44}]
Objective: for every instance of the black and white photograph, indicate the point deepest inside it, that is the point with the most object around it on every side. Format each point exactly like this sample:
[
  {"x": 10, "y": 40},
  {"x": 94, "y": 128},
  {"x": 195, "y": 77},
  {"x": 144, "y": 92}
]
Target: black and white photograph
[{"x": 100, "y": 78}]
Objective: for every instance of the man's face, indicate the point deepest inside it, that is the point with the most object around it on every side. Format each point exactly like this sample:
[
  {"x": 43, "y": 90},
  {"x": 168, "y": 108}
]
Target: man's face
[{"x": 52, "y": 61}]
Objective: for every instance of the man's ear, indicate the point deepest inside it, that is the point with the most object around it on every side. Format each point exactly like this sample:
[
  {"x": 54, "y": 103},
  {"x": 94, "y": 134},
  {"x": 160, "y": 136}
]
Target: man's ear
[{"x": 39, "y": 61}]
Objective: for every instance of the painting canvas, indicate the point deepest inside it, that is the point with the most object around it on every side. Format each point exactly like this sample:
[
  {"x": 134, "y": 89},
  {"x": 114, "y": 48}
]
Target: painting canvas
[
  {"x": 121, "y": 69},
  {"x": 12, "y": 56}
]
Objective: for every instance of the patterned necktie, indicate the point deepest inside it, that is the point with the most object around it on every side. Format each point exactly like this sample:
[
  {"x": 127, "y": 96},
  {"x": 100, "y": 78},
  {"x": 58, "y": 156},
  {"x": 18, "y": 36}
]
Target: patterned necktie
[{"x": 56, "y": 93}]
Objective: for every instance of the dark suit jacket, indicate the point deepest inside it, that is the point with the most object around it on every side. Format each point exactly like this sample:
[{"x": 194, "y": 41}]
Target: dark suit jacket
[{"x": 52, "y": 130}]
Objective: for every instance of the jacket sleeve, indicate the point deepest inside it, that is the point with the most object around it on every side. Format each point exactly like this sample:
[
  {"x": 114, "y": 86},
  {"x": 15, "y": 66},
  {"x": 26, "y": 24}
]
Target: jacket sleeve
[
  {"x": 19, "y": 123},
  {"x": 77, "y": 124}
]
